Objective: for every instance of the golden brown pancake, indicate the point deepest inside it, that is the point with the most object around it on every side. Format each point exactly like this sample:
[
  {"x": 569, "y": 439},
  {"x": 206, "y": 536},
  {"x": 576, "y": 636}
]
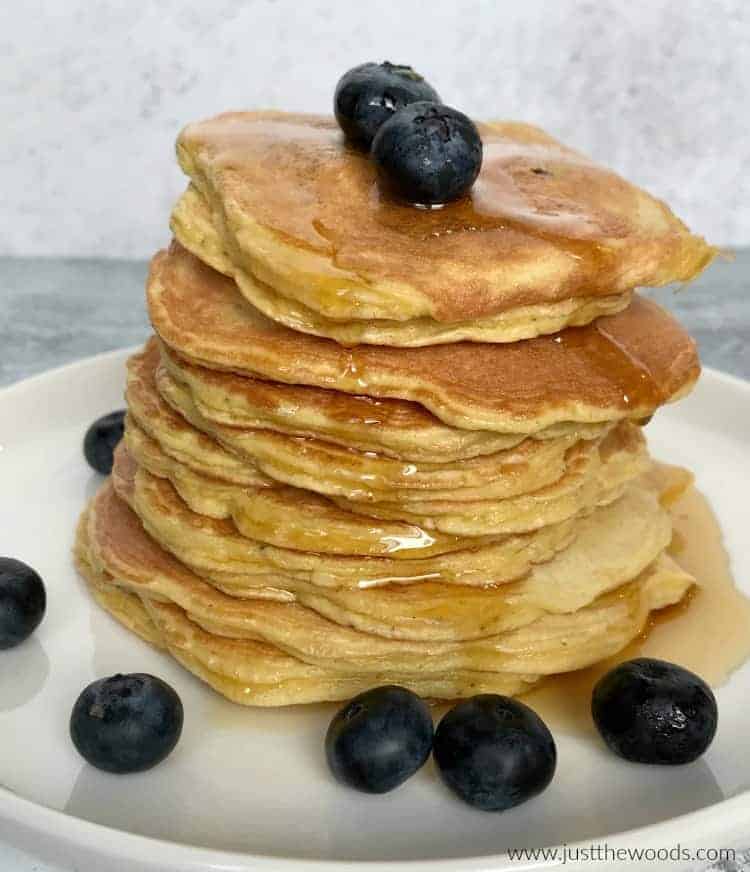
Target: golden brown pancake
[
  {"x": 391, "y": 427},
  {"x": 596, "y": 475},
  {"x": 126, "y": 607},
  {"x": 215, "y": 547},
  {"x": 176, "y": 436},
  {"x": 367, "y": 477},
  {"x": 299, "y": 211},
  {"x": 193, "y": 226},
  {"x": 552, "y": 643},
  {"x": 623, "y": 366},
  {"x": 289, "y": 517},
  {"x": 357, "y": 470},
  {"x": 612, "y": 546},
  {"x": 254, "y": 673},
  {"x": 293, "y": 517}
]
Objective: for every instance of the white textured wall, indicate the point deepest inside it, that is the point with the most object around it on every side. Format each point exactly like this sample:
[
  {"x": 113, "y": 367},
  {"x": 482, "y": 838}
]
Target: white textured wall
[{"x": 92, "y": 95}]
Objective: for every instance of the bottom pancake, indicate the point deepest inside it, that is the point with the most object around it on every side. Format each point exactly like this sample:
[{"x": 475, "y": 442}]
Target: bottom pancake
[
  {"x": 221, "y": 633},
  {"x": 254, "y": 673},
  {"x": 611, "y": 546}
]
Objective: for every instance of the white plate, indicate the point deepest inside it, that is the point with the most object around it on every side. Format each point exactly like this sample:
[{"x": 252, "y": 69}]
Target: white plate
[{"x": 249, "y": 789}]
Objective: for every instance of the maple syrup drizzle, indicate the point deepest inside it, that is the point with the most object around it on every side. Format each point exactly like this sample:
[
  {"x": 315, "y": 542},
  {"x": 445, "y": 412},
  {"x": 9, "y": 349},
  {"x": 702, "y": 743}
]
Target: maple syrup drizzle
[
  {"x": 708, "y": 632},
  {"x": 313, "y": 186},
  {"x": 608, "y": 358}
]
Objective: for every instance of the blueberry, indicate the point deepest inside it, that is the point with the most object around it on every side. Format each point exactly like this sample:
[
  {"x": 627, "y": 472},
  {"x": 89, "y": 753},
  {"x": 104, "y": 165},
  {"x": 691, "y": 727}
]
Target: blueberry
[
  {"x": 428, "y": 153},
  {"x": 101, "y": 440},
  {"x": 381, "y": 738},
  {"x": 369, "y": 94},
  {"x": 126, "y": 723},
  {"x": 494, "y": 752},
  {"x": 23, "y": 601},
  {"x": 652, "y": 711}
]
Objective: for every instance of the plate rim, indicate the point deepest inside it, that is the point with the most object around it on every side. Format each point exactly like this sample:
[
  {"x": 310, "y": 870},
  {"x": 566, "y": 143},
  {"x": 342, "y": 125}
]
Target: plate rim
[{"x": 97, "y": 840}]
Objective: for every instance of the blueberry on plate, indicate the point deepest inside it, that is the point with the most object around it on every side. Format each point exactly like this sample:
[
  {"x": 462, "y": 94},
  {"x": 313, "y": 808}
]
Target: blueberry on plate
[
  {"x": 494, "y": 752},
  {"x": 379, "y": 739},
  {"x": 126, "y": 723},
  {"x": 369, "y": 94},
  {"x": 428, "y": 153},
  {"x": 101, "y": 440},
  {"x": 23, "y": 601},
  {"x": 652, "y": 711}
]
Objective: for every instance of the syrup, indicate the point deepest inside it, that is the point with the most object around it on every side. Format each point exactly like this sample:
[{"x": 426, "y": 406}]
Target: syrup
[
  {"x": 631, "y": 362},
  {"x": 509, "y": 198},
  {"x": 708, "y": 632},
  {"x": 557, "y": 222},
  {"x": 608, "y": 357}
]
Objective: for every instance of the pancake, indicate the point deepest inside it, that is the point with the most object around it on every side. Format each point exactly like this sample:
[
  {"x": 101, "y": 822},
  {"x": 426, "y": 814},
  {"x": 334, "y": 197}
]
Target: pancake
[
  {"x": 365, "y": 476},
  {"x": 176, "y": 436},
  {"x": 215, "y": 547},
  {"x": 192, "y": 225},
  {"x": 296, "y": 209},
  {"x": 244, "y": 567},
  {"x": 550, "y": 644},
  {"x": 126, "y": 607},
  {"x": 623, "y": 366},
  {"x": 292, "y": 517},
  {"x": 592, "y": 478},
  {"x": 612, "y": 546},
  {"x": 666, "y": 483},
  {"x": 255, "y": 673},
  {"x": 296, "y": 518},
  {"x": 288, "y": 517},
  {"x": 394, "y": 428}
]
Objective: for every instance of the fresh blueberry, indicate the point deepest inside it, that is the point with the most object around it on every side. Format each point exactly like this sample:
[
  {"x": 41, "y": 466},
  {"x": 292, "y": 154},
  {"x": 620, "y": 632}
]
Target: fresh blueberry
[
  {"x": 23, "y": 601},
  {"x": 428, "y": 153},
  {"x": 494, "y": 752},
  {"x": 126, "y": 723},
  {"x": 379, "y": 739},
  {"x": 101, "y": 440},
  {"x": 369, "y": 94},
  {"x": 652, "y": 711}
]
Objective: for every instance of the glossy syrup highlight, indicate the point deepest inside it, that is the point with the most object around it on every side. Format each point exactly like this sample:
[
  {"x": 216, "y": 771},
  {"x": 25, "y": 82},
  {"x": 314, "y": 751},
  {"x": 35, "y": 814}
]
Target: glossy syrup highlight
[
  {"x": 708, "y": 632},
  {"x": 532, "y": 196}
]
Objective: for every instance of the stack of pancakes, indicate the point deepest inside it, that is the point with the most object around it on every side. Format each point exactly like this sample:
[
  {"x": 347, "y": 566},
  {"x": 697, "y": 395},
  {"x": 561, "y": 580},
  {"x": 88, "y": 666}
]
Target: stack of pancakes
[{"x": 372, "y": 443}]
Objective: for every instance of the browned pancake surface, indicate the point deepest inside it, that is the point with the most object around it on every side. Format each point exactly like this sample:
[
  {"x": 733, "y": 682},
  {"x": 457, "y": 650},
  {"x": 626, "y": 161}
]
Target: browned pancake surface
[
  {"x": 541, "y": 223},
  {"x": 626, "y": 365}
]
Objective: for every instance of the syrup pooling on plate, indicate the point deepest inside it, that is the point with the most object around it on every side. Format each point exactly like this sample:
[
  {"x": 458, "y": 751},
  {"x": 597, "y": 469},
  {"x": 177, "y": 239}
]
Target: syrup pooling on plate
[{"x": 708, "y": 632}]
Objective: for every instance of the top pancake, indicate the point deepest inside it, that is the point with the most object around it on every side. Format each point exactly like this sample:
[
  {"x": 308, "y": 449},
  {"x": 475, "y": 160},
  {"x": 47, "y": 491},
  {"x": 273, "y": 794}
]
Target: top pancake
[
  {"x": 194, "y": 225},
  {"x": 622, "y": 366},
  {"x": 301, "y": 212}
]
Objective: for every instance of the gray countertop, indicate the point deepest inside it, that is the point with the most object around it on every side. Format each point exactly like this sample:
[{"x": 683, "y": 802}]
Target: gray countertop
[{"x": 54, "y": 311}]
